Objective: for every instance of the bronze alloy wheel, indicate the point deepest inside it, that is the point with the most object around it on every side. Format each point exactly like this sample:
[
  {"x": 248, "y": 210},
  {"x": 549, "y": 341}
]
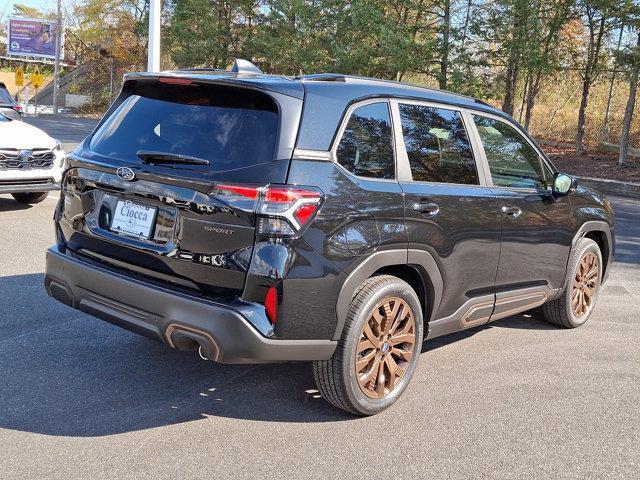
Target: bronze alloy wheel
[
  {"x": 585, "y": 284},
  {"x": 386, "y": 346}
]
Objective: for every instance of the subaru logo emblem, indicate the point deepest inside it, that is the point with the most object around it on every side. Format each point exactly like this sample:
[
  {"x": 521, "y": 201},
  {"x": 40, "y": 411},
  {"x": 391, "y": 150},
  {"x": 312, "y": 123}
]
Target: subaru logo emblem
[
  {"x": 125, "y": 173},
  {"x": 24, "y": 154}
]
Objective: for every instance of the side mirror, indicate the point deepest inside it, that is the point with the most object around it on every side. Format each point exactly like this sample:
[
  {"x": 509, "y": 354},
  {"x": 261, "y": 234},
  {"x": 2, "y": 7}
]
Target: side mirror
[{"x": 562, "y": 184}]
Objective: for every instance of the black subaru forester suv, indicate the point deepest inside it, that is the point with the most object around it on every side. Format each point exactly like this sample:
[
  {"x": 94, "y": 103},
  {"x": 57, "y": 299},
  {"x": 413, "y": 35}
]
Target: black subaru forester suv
[{"x": 325, "y": 218}]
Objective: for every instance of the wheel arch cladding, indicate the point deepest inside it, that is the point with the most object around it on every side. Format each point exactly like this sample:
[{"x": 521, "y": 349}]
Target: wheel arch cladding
[
  {"x": 600, "y": 232},
  {"x": 414, "y": 276},
  {"x": 600, "y": 238},
  {"x": 416, "y": 267}
]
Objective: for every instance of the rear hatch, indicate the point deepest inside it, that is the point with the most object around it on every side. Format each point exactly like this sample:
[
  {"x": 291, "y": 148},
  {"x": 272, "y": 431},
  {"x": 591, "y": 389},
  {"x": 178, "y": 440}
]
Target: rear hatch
[{"x": 157, "y": 189}]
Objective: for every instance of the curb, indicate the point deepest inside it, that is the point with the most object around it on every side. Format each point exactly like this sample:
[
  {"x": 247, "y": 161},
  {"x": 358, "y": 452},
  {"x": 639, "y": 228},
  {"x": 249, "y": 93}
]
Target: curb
[{"x": 611, "y": 187}]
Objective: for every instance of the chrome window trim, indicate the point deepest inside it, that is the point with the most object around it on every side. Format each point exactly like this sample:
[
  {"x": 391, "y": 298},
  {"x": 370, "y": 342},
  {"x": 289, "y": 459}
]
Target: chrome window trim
[
  {"x": 402, "y": 159},
  {"x": 402, "y": 166},
  {"x": 319, "y": 155}
]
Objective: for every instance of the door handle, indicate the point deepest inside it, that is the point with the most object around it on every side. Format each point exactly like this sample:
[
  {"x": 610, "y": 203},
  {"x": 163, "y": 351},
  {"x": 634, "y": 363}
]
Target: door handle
[
  {"x": 511, "y": 212},
  {"x": 426, "y": 208}
]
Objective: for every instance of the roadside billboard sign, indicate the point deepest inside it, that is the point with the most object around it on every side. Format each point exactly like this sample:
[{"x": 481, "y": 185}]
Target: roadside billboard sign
[{"x": 33, "y": 37}]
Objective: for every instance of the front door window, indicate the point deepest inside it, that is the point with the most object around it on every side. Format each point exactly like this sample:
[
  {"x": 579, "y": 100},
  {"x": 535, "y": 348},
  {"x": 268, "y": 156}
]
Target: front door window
[{"x": 512, "y": 160}]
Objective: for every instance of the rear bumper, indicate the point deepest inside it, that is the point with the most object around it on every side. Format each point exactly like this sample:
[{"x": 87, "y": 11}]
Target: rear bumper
[{"x": 179, "y": 320}]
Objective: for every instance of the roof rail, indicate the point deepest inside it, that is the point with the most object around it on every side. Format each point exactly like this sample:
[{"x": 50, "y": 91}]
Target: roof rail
[
  {"x": 323, "y": 77},
  {"x": 244, "y": 66}
]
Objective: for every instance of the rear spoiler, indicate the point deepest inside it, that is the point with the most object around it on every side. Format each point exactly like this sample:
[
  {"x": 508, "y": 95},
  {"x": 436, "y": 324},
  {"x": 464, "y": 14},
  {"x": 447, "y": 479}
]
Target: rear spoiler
[{"x": 242, "y": 79}]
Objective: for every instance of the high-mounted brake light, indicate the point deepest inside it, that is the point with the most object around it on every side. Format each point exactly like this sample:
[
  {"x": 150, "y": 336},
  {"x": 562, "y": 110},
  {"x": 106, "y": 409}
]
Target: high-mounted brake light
[
  {"x": 175, "y": 81},
  {"x": 282, "y": 210}
]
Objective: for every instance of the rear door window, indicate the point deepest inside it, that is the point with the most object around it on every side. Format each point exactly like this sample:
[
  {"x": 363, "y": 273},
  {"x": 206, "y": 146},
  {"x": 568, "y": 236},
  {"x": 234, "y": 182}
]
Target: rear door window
[
  {"x": 366, "y": 146},
  {"x": 234, "y": 129},
  {"x": 437, "y": 145}
]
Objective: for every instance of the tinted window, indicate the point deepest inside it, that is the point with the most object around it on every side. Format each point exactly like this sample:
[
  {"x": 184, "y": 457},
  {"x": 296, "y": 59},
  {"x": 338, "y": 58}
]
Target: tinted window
[
  {"x": 366, "y": 147},
  {"x": 512, "y": 160},
  {"x": 437, "y": 145},
  {"x": 232, "y": 129}
]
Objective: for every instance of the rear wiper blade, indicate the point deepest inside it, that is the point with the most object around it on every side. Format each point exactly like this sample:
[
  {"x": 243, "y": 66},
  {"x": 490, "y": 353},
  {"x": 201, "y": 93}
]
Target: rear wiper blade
[{"x": 149, "y": 156}]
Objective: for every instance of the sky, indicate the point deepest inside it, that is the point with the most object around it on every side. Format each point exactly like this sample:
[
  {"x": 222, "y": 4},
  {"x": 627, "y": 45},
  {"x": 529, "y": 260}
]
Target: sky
[{"x": 6, "y": 6}]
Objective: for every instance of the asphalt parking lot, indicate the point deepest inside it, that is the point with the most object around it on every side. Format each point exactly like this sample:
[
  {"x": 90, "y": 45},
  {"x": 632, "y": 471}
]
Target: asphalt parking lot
[
  {"x": 69, "y": 129},
  {"x": 515, "y": 399}
]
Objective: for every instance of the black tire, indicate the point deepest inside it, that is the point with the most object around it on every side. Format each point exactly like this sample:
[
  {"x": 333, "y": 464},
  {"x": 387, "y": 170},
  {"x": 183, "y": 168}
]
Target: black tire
[
  {"x": 561, "y": 311},
  {"x": 30, "y": 198},
  {"x": 337, "y": 378}
]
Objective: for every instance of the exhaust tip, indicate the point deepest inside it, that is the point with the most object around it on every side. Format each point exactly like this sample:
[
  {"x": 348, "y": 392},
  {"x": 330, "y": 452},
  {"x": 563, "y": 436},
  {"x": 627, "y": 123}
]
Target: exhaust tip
[
  {"x": 185, "y": 338},
  {"x": 201, "y": 354}
]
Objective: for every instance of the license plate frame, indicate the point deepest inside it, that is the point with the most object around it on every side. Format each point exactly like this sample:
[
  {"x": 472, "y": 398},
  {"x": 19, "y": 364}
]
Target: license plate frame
[{"x": 133, "y": 219}]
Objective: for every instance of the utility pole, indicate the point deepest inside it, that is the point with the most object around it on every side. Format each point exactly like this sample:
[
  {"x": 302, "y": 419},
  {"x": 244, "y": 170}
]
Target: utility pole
[
  {"x": 56, "y": 65},
  {"x": 153, "y": 47}
]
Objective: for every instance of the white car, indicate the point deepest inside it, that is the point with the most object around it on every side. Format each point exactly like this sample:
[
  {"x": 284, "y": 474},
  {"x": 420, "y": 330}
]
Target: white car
[{"x": 31, "y": 162}]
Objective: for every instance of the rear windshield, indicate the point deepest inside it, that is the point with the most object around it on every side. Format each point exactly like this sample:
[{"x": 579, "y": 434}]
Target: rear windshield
[
  {"x": 234, "y": 129},
  {"x": 5, "y": 96}
]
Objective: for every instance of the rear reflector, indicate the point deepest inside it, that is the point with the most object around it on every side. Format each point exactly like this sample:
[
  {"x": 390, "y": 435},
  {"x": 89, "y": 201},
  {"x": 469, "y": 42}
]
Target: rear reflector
[{"x": 271, "y": 304}]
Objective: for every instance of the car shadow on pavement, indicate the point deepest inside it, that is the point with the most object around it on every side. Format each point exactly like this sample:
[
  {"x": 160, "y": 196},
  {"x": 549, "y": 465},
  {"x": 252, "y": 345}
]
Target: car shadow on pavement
[
  {"x": 532, "y": 320},
  {"x": 523, "y": 321},
  {"x": 9, "y": 205},
  {"x": 66, "y": 373}
]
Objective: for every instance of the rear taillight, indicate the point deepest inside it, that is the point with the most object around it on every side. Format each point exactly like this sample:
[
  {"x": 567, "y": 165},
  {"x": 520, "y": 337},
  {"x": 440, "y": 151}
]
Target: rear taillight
[
  {"x": 282, "y": 211},
  {"x": 286, "y": 210}
]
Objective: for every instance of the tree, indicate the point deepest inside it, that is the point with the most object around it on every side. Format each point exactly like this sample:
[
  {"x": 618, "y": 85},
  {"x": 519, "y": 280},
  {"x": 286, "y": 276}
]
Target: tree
[
  {"x": 614, "y": 74},
  {"x": 502, "y": 27},
  {"x": 446, "y": 45},
  {"x": 26, "y": 11},
  {"x": 634, "y": 60},
  {"x": 111, "y": 36},
  {"x": 600, "y": 18},
  {"x": 206, "y": 33},
  {"x": 544, "y": 52},
  {"x": 378, "y": 38},
  {"x": 517, "y": 12}
]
